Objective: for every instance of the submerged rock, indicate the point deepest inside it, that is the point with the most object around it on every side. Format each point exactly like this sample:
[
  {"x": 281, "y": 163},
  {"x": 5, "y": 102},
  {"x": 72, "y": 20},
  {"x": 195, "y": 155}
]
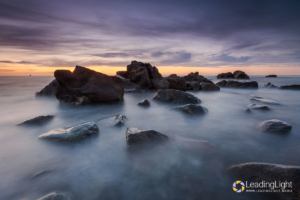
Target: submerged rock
[
  {"x": 76, "y": 132},
  {"x": 194, "y": 145},
  {"x": 209, "y": 87},
  {"x": 237, "y": 84},
  {"x": 136, "y": 138},
  {"x": 290, "y": 87},
  {"x": 274, "y": 125},
  {"x": 40, "y": 174},
  {"x": 49, "y": 90},
  {"x": 116, "y": 120},
  {"x": 56, "y": 196},
  {"x": 95, "y": 86},
  {"x": 258, "y": 107},
  {"x": 247, "y": 110},
  {"x": 145, "y": 102},
  {"x": 271, "y": 76},
  {"x": 176, "y": 96},
  {"x": 192, "y": 109},
  {"x": 262, "y": 100},
  {"x": 270, "y": 85},
  {"x": 176, "y": 82},
  {"x": 40, "y": 120},
  {"x": 257, "y": 172}
]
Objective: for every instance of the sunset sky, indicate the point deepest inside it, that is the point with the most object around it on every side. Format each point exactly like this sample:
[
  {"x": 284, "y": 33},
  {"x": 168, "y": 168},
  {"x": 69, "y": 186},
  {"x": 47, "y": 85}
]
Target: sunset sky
[{"x": 178, "y": 36}]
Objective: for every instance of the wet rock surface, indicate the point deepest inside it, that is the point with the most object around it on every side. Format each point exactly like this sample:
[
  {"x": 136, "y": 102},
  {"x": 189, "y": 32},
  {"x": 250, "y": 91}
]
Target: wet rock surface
[
  {"x": 145, "y": 103},
  {"x": 176, "y": 97},
  {"x": 258, "y": 107},
  {"x": 263, "y": 100},
  {"x": 116, "y": 120},
  {"x": 40, "y": 120},
  {"x": 209, "y": 87},
  {"x": 192, "y": 109},
  {"x": 274, "y": 125}
]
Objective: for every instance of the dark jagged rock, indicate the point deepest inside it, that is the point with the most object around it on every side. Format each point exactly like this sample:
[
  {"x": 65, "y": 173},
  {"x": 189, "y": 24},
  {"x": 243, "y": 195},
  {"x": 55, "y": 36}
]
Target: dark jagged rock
[
  {"x": 227, "y": 75},
  {"x": 192, "y": 109},
  {"x": 237, "y": 84},
  {"x": 145, "y": 102},
  {"x": 95, "y": 86},
  {"x": 116, "y": 120},
  {"x": 290, "y": 87},
  {"x": 270, "y": 85},
  {"x": 123, "y": 74},
  {"x": 40, "y": 120},
  {"x": 258, "y": 107},
  {"x": 176, "y": 96},
  {"x": 274, "y": 125},
  {"x": 209, "y": 87},
  {"x": 136, "y": 138},
  {"x": 271, "y": 76},
  {"x": 128, "y": 85},
  {"x": 257, "y": 172},
  {"x": 176, "y": 82},
  {"x": 49, "y": 90},
  {"x": 236, "y": 75},
  {"x": 193, "y": 85},
  {"x": 196, "y": 77},
  {"x": 263, "y": 100},
  {"x": 56, "y": 196},
  {"x": 159, "y": 84}
]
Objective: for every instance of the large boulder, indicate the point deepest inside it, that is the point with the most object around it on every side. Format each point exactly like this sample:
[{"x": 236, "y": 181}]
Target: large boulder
[
  {"x": 56, "y": 196},
  {"x": 176, "y": 82},
  {"x": 258, "y": 172},
  {"x": 76, "y": 132},
  {"x": 175, "y": 96},
  {"x": 95, "y": 86},
  {"x": 271, "y": 76},
  {"x": 192, "y": 109},
  {"x": 40, "y": 120},
  {"x": 48, "y": 90},
  {"x": 209, "y": 87},
  {"x": 227, "y": 75},
  {"x": 237, "y": 84},
  {"x": 193, "y": 85},
  {"x": 274, "y": 125},
  {"x": 196, "y": 77},
  {"x": 269, "y": 85},
  {"x": 136, "y": 138},
  {"x": 116, "y": 120},
  {"x": 159, "y": 84},
  {"x": 290, "y": 87},
  {"x": 240, "y": 75},
  {"x": 263, "y": 100}
]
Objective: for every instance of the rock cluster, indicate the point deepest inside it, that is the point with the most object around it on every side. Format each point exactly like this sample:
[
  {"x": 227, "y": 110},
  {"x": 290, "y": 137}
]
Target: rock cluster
[
  {"x": 235, "y": 75},
  {"x": 176, "y": 82},
  {"x": 175, "y": 96}
]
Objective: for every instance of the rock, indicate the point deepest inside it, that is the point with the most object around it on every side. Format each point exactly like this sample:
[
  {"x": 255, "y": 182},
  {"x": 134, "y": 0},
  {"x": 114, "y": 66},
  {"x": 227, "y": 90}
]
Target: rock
[
  {"x": 274, "y": 125},
  {"x": 145, "y": 102},
  {"x": 128, "y": 85},
  {"x": 192, "y": 109},
  {"x": 270, "y": 85},
  {"x": 40, "y": 174},
  {"x": 194, "y": 145},
  {"x": 82, "y": 101},
  {"x": 56, "y": 196},
  {"x": 95, "y": 86},
  {"x": 116, "y": 120},
  {"x": 159, "y": 84},
  {"x": 136, "y": 137},
  {"x": 209, "y": 87},
  {"x": 240, "y": 75},
  {"x": 76, "y": 132},
  {"x": 227, "y": 75},
  {"x": 258, "y": 172},
  {"x": 262, "y": 100},
  {"x": 176, "y": 82},
  {"x": 258, "y": 107},
  {"x": 49, "y": 90},
  {"x": 175, "y": 96},
  {"x": 40, "y": 120},
  {"x": 247, "y": 110},
  {"x": 191, "y": 77},
  {"x": 271, "y": 76},
  {"x": 237, "y": 84},
  {"x": 192, "y": 85},
  {"x": 123, "y": 74},
  {"x": 290, "y": 87}
]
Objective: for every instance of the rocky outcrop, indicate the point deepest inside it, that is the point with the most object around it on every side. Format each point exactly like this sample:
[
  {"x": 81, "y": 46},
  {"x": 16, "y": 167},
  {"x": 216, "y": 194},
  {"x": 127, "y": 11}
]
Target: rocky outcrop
[
  {"x": 136, "y": 138},
  {"x": 236, "y": 75},
  {"x": 159, "y": 84},
  {"x": 192, "y": 109},
  {"x": 56, "y": 196},
  {"x": 176, "y": 82},
  {"x": 290, "y": 87},
  {"x": 271, "y": 76},
  {"x": 116, "y": 120},
  {"x": 196, "y": 77},
  {"x": 269, "y": 85},
  {"x": 274, "y": 125},
  {"x": 176, "y": 96},
  {"x": 95, "y": 86},
  {"x": 145, "y": 103},
  {"x": 263, "y": 100},
  {"x": 237, "y": 84},
  {"x": 209, "y": 87},
  {"x": 258, "y": 172},
  {"x": 49, "y": 90},
  {"x": 76, "y": 132},
  {"x": 40, "y": 120},
  {"x": 258, "y": 107},
  {"x": 193, "y": 85}
]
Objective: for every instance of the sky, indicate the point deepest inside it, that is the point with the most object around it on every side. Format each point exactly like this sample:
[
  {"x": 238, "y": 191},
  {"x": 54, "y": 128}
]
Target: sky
[{"x": 259, "y": 37}]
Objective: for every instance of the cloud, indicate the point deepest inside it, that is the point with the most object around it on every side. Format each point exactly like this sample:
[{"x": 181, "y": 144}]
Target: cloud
[
  {"x": 112, "y": 55},
  {"x": 6, "y": 61},
  {"x": 7, "y": 70},
  {"x": 21, "y": 62},
  {"x": 227, "y": 58}
]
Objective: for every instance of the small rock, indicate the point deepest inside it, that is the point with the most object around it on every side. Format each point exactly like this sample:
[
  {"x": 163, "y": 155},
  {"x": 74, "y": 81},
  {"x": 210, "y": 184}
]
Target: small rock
[
  {"x": 76, "y": 132},
  {"x": 56, "y": 196},
  {"x": 49, "y": 90},
  {"x": 176, "y": 96},
  {"x": 136, "y": 137},
  {"x": 40, "y": 120},
  {"x": 192, "y": 109},
  {"x": 247, "y": 110},
  {"x": 145, "y": 102},
  {"x": 270, "y": 85},
  {"x": 116, "y": 120},
  {"x": 271, "y": 76},
  {"x": 258, "y": 107},
  {"x": 209, "y": 87},
  {"x": 262, "y": 100},
  {"x": 274, "y": 125},
  {"x": 290, "y": 87}
]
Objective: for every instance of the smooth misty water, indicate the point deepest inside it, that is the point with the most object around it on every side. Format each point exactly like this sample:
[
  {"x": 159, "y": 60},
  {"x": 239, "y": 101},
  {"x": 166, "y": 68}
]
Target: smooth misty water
[{"x": 101, "y": 168}]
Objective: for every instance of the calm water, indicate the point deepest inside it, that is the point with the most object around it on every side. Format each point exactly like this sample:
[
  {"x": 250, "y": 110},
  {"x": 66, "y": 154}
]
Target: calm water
[{"x": 101, "y": 168}]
